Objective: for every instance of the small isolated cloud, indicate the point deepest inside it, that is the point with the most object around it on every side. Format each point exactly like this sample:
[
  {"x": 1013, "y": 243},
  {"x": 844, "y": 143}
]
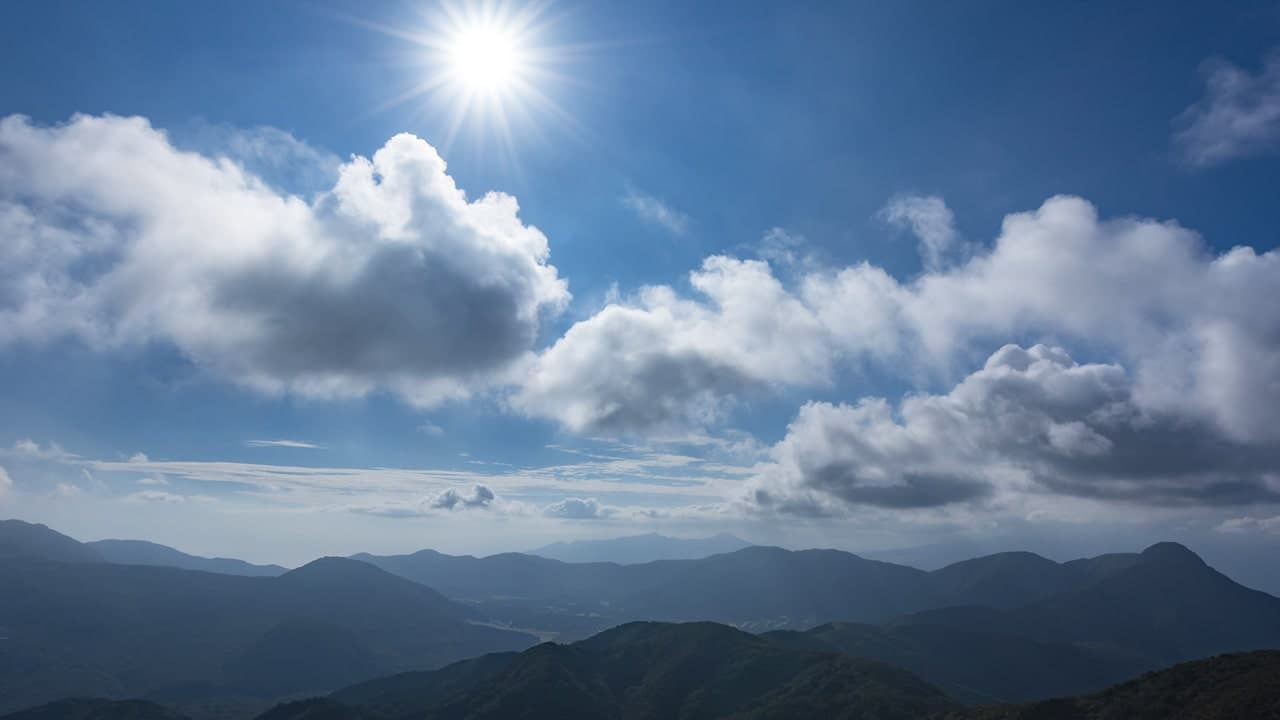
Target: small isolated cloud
[
  {"x": 139, "y": 458},
  {"x": 1251, "y": 525},
  {"x": 1238, "y": 116},
  {"x": 931, "y": 221},
  {"x": 283, "y": 444},
  {"x": 430, "y": 429},
  {"x": 577, "y": 509},
  {"x": 67, "y": 491},
  {"x": 656, "y": 212},
  {"x": 481, "y": 497},
  {"x": 6, "y": 484}
]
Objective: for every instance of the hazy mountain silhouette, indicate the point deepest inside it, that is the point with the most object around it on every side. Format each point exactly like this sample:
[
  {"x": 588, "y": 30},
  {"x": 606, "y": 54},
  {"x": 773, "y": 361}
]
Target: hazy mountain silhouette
[
  {"x": 1227, "y": 687},
  {"x": 20, "y": 539},
  {"x": 634, "y": 549},
  {"x": 174, "y": 635},
  {"x": 141, "y": 552},
  {"x": 756, "y": 587}
]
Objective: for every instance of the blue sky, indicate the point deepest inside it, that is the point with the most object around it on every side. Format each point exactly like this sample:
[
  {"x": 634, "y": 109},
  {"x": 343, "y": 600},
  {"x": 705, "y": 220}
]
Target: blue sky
[{"x": 764, "y": 274}]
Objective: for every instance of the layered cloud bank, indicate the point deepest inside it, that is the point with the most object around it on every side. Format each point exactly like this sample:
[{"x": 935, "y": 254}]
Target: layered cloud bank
[
  {"x": 1112, "y": 359},
  {"x": 391, "y": 279}
]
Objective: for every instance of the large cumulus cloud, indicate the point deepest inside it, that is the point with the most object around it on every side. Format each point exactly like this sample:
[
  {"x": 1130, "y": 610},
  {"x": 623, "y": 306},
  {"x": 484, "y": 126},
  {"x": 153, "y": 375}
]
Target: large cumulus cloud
[{"x": 391, "y": 279}]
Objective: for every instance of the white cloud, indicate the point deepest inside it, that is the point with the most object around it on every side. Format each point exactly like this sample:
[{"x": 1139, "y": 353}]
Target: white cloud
[
  {"x": 1198, "y": 332},
  {"x": 392, "y": 279},
  {"x": 1190, "y": 342},
  {"x": 431, "y": 429},
  {"x": 67, "y": 491},
  {"x": 6, "y": 484},
  {"x": 577, "y": 509},
  {"x": 665, "y": 362},
  {"x": 1239, "y": 115},
  {"x": 933, "y": 224},
  {"x": 654, "y": 211},
  {"x": 1248, "y": 524},
  {"x": 299, "y": 444},
  {"x": 28, "y": 449}
]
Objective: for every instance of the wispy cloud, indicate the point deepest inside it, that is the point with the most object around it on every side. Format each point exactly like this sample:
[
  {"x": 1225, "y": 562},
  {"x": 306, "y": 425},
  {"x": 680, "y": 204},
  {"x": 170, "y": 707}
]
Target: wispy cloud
[
  {"x": 1238, "y": 116},
  {"x": 655, "y": 211},
  {"x": 284, "y": 444}
]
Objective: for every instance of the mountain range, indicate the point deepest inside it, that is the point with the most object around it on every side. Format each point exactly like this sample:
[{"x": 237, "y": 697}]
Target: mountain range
[{"x": 1009, "y": 627}]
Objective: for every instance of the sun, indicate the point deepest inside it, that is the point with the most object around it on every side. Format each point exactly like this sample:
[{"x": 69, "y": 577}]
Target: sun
[
  {"x": 490, "y": 69},
  {"x": 485, "y": 59}
]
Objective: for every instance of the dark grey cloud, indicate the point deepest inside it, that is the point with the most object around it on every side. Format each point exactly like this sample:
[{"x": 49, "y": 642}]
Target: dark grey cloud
[{"x": 1031, "y": 420}]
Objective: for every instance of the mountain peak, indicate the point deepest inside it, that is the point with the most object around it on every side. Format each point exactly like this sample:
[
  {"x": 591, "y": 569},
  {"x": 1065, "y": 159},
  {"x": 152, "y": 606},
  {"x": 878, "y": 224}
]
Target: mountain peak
[
  {"x": 1171, "y": 552},
  {"x": 335, "y": 567}
]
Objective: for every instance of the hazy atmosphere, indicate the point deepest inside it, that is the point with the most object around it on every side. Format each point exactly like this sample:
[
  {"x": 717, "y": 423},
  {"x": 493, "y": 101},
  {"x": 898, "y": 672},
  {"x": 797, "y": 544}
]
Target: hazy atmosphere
[{"x": 296, "y": 279}]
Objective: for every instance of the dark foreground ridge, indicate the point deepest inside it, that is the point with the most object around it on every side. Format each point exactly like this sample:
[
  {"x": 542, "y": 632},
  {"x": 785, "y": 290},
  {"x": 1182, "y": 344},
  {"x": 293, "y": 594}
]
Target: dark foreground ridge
[
  {"x": 701, "y": 671},
  {"x": 1227, "y": 687},
  {"x": 697, "y": 671}
]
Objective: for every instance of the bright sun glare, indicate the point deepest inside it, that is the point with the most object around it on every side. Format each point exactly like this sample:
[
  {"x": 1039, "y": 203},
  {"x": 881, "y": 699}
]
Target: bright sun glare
[
  {"x": 485, "y": 59},
  {"x": 488, "y": 68}
]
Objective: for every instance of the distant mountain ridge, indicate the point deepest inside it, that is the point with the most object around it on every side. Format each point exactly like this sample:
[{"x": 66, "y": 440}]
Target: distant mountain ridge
[
  {"x": 634, "y": 549},
  {"x": 141, "y": 552},
  {"x": 19, "y": 539},
  {"x": 24, "y": 540}
]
